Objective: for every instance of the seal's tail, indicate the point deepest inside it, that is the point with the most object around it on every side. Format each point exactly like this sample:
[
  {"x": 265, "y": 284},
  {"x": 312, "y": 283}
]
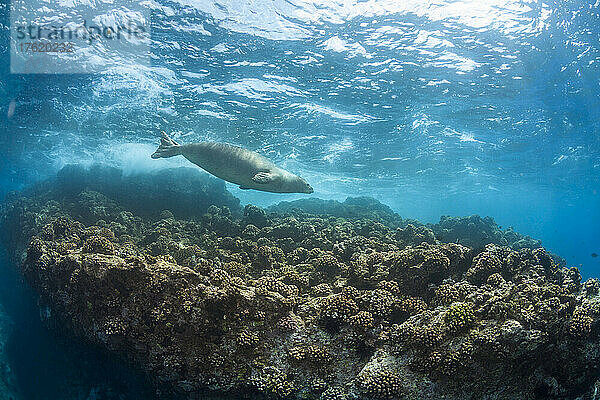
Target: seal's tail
[{"x": 168, "y": 147}]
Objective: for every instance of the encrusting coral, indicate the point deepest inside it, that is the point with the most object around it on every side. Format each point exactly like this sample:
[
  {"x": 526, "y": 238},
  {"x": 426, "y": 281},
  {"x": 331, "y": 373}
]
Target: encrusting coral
[{"x": 292, "y": 303}]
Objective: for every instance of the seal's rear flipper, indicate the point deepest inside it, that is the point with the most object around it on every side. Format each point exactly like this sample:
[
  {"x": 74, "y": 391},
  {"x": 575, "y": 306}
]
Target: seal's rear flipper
[{"x": 168, "y": 147}]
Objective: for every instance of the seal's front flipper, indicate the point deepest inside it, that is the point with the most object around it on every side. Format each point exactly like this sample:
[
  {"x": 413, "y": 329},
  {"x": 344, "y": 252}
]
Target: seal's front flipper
[
  {"x": 244, "y": 188},
  {"x": 168, "y": 147},
  {"x": 263, "y": 177}
]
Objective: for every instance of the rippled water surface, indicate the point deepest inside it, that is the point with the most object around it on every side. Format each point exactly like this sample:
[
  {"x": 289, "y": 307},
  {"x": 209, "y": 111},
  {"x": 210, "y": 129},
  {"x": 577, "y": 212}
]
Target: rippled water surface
[{"x": 433, "y": 107}]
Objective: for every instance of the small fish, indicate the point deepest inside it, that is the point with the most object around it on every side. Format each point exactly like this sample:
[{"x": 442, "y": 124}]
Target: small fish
[
  {"x": 594, "y": 255},
  {"x": 11, "y": 109}
]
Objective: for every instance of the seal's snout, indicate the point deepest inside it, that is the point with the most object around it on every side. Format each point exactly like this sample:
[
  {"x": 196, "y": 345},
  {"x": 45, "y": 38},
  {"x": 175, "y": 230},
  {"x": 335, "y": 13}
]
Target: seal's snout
[{"x": 307, "y": 188}]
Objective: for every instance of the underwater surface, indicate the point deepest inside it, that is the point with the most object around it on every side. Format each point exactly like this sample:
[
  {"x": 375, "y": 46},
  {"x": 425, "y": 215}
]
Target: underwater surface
[{"x": 431, "y": 108}]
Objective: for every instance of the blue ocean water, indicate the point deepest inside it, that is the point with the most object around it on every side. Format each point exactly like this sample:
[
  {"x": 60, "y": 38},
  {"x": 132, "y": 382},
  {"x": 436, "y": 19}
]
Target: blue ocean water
[{"x": 432, "y": 107}]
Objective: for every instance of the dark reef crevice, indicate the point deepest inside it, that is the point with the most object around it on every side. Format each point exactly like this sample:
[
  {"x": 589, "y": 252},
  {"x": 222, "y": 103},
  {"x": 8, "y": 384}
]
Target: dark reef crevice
[{"x": 309, "y": 299}]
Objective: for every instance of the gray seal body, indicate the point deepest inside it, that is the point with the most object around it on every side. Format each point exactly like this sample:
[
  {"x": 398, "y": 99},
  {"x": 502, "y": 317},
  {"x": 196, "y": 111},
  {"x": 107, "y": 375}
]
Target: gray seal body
[{"x": 235, "y": 164}]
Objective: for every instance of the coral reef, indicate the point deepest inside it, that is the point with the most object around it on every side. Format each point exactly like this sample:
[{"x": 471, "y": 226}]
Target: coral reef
[
  {"x": 477, "y": 232},
  {"x": 473, "y": 231},
  {"x": 307, "y": 300},
  {"x": 352, "y": 207},
  {"x": 188, "y": 192}
]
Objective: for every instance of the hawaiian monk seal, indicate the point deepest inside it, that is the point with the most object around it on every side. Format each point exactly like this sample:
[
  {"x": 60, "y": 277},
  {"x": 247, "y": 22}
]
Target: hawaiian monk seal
[{"x": 235, "y": 164}]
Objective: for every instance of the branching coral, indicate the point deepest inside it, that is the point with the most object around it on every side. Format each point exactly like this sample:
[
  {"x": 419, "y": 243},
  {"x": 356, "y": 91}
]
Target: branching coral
[
  {"x": 98, "y": 244},
  {"x": 459, "y": 316},
  {"x": 382, "y": 385}
]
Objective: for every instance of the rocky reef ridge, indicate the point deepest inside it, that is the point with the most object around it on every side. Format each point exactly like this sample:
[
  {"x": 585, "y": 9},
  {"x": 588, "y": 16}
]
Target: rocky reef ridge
[{"x": 306, "y": 300}]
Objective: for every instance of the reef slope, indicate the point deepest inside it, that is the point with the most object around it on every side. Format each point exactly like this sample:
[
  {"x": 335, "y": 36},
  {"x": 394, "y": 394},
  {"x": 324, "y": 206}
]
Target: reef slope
[{"x": 338, "y": 301}]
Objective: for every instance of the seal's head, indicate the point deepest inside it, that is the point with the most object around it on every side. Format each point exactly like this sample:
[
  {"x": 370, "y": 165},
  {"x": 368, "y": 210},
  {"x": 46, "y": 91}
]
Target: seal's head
[
  {"x": 305, "y": 187},
  {"x": 295, "y": 184}
]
